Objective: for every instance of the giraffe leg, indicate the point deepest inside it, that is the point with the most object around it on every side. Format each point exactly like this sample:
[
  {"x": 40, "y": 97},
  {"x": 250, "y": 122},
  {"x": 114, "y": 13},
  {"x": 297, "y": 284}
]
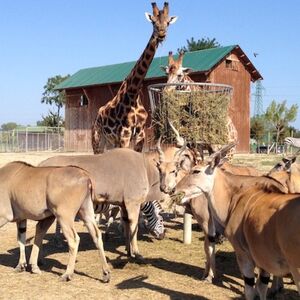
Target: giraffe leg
[
  {"x": 125, "y": 137},
  {"x": 139, "y": 141},
  {"x": 98, "y": 140}
]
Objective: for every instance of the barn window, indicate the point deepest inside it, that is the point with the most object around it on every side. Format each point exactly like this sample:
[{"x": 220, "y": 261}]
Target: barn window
[
  {"x": 231, "y": 64},
  {"x": 83, "y": 101}
]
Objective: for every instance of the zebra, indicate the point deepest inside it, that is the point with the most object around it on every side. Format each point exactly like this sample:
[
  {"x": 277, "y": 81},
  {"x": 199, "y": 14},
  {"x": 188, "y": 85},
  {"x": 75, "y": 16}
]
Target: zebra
[
  {"x": 291, "y": 141},
  {"x": 154, "y": 221},
  {"x": 151, "y": 210}
]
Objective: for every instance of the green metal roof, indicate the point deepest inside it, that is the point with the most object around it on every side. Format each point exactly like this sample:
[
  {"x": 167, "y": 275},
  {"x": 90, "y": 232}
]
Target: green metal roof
[{"x": 199, "y": 61}]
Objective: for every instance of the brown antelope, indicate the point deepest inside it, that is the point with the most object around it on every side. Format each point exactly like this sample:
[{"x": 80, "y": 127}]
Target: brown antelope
[
  {"x": 43, "y": 194},
  {"x": 260, "y": 220},
  {"x": 125, "y": 178},
  {"x": 285, "y": 171}
]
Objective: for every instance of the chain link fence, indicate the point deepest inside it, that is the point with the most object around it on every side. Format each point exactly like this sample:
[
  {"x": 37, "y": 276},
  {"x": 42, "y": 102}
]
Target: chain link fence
[{"x": 32, "y": 139}]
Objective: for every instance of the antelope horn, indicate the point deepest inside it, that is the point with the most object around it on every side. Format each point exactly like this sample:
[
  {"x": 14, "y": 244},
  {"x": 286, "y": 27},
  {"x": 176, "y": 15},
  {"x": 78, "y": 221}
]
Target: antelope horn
[
  {"x": 223, "y": 151},
  {"x": 179, "y": 139},
  {"x": 155, "y": 9},
  {"x": 180, "y": 151},
  {"x": 171, "y": 59},
  {"x": 159, "y": 150},
  {"x": 166, "y": 8}
]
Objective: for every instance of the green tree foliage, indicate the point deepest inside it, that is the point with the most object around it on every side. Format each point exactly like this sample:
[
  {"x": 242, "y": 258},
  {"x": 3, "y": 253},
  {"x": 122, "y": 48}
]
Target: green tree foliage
[
  {"x": 9, "y": 126},
  {"x": 54, "y": 98},
  {"x": 292, "y": 131},
  {"x": 258, "y": 128},
  {"x": 51, "y": 120},
  {"x": 204, "y": 43},
  {"x": 279, "y": 116}
]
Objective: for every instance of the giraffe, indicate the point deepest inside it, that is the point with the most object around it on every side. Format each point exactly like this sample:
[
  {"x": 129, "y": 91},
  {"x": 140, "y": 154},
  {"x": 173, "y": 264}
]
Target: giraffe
[
  {"x": 122, "y": 120},
  {"x": 178, "y": 74}
]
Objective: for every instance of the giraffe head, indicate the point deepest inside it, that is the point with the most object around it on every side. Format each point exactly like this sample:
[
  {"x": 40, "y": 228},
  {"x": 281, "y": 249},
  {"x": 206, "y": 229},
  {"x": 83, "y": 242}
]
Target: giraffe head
[
  {"x": 175, "y": 71},
  {"x": 160, "y": 20}
]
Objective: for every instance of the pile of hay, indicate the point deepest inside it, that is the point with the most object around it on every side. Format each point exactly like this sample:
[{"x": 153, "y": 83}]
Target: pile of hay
[{"x": 197, "y": 115}]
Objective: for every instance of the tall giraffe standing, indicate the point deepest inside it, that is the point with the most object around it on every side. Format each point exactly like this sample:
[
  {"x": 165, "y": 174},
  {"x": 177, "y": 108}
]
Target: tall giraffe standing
[
  {"x": 178, "y": 74},
  {"x": 123, "y": 119}
]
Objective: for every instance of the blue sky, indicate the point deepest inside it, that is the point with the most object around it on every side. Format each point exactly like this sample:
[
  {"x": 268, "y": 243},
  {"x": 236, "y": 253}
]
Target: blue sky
[{"x": 41, "y": 39}]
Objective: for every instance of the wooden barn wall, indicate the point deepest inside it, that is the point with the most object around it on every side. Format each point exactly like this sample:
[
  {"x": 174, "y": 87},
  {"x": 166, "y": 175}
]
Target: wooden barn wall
[
  {"x": 239, "y": 78},
  {"x": 79, "y": 119}
]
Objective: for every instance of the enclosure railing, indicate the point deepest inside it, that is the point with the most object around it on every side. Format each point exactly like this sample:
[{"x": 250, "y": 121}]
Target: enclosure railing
[{"x": 32, "y": 139}]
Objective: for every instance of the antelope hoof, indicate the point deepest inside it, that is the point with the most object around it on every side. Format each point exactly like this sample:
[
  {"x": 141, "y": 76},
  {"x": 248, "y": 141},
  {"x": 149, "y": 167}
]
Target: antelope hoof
[
  {"x": 207, "y": 278},
  {"x": 66, "y": 277},
  {"x": 139, "y": 259},
  {"x": 20, "y": 267},
  {"x": 35, "y": 269},
  {"x": 106, "y": 277}
]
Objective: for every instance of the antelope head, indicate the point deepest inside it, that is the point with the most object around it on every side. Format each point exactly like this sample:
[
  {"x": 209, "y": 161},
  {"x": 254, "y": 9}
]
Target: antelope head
[
  {"x": 200, "y": 179},
  {"x": 171, "y": 170}
]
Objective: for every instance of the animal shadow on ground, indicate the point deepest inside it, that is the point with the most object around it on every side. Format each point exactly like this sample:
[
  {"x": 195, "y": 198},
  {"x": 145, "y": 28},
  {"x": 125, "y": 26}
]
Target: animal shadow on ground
[
  {"x": 227, "y": 267},
  {"x": 140, "y": 282},
  {"x": 10, "y": 259}
]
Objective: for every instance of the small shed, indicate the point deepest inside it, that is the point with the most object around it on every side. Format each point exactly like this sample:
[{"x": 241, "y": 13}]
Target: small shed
[{"x": 90, "y": 88}]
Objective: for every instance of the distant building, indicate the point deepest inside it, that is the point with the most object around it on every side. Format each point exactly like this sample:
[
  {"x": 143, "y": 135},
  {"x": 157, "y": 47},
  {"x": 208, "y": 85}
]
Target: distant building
[{"x": 88, "y": 89}]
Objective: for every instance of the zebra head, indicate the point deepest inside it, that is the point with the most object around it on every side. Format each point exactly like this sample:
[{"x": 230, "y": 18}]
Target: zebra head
[
  {"x": 155, "y": 223},
  {"x": 158, "y": 229}
]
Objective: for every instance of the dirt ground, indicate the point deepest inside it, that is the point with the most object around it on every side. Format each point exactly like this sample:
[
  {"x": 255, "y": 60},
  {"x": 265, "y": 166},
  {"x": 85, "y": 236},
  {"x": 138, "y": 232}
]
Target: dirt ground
[{"x": 171, "y": 270}]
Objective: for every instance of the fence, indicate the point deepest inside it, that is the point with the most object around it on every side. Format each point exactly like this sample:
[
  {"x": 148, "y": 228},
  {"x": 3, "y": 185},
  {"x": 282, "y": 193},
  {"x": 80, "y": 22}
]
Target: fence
[
  {"x": 266, "y": 144},
  {"x": 32, "y": 139}
]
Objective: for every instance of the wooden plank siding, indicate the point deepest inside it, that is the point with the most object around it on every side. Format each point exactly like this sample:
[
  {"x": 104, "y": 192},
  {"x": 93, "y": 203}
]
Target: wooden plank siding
[{"x": 79, "y": 119}]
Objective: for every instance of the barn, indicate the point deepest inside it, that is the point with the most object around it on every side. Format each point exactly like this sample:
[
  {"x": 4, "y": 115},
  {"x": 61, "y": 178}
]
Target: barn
[{"x": 90, "y": 88}]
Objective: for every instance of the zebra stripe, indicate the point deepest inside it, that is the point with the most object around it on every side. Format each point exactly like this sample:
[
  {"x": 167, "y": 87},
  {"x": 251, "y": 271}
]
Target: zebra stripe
[
  {"x": 155, "y": 224},
  {"x": 295, "y": 142}
]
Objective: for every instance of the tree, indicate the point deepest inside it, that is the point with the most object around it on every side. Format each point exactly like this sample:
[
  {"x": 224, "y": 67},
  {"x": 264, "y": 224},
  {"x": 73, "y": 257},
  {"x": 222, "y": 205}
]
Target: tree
[
  {"x": 258, "y": 128},
  {"x": 9, "y": 126},
  {"x": 279, "y": 116},
  {"x": 51, "y": 120},
  {"x": 292, "y": 131},
  {"x": 204, "y": 43},
  {"x": 54, "y": 97}
]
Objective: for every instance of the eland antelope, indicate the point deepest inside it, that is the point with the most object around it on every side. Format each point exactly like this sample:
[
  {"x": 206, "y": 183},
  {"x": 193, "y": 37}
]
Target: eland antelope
[
  {"x": 43, "y": 194},
  {"x": 125, "y": 178},
  {"x": 260, "y": 219}
]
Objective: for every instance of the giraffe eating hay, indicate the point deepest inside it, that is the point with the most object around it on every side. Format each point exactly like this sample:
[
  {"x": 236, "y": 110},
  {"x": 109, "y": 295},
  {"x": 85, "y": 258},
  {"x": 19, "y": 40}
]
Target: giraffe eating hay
[
  {"x": 178, "y": 74},
  {"x": 122, "y": 120}
]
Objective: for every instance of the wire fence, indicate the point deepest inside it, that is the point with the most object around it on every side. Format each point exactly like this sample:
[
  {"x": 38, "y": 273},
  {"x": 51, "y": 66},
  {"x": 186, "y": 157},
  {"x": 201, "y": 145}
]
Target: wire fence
[{"x": 32, "y": 139}]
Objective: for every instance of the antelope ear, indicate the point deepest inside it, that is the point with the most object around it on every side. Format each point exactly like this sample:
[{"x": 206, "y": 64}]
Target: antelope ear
[
  {"x": 173, "y": 19},
  {"x": 186, "y": 163},
  {"x": 149, "y": 17}
]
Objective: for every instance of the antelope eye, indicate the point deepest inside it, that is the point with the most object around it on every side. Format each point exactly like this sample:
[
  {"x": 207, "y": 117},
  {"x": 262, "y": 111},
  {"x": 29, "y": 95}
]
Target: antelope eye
[
  {"x": 196, "y": 171},
  {"x": 173, "y": 172}
]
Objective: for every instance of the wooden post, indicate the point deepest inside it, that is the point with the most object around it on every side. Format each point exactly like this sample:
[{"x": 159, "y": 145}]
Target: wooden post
[{"x": 187, "y": 228}]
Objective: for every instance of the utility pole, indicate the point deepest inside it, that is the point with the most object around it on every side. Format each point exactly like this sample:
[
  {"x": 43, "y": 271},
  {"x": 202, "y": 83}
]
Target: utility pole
[{"x": 258, "y": 104}]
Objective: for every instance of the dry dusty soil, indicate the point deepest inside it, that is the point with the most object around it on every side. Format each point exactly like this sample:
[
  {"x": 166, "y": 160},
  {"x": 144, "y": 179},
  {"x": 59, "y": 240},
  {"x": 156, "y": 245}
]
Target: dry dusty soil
[{"x": 171, "y": 270}]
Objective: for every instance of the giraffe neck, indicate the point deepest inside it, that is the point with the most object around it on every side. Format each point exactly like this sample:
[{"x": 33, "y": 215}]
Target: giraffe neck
[{"x": 135, "y": 79}]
